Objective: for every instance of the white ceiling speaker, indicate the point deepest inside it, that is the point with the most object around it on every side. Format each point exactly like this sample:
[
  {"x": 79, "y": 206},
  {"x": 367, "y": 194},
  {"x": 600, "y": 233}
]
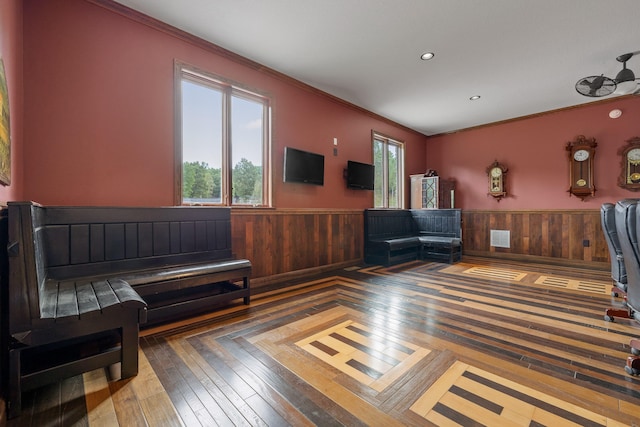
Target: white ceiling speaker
[{"x": 614, "y": 114}]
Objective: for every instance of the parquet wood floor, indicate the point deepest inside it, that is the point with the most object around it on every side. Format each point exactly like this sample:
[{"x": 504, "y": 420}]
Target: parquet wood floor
[{"x": 470, "y": 344}]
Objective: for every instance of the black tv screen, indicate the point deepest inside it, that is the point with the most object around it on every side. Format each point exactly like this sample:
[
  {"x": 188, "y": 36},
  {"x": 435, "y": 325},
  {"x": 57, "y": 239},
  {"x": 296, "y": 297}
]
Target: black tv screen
[
  {"x": 303, "y": 166},
  {"x": 360, "y": 176}
]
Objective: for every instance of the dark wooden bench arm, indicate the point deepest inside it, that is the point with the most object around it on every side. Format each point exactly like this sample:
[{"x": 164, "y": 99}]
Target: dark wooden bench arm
[{"x": 69, "y": 301}]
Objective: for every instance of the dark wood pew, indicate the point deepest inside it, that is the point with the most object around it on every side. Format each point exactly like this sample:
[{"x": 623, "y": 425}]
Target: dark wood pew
[
  {"x": 391, "y": 236},
  {"x": 82, "y": 280},
  {"x": 440, "y": 234},
  {"x": 399, "y": 235}
]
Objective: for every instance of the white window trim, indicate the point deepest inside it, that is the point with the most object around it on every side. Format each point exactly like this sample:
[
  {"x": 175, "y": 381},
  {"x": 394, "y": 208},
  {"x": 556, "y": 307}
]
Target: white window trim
[
  {"x": 184, "y": 70},
  {"x": 387, "y": 140}
]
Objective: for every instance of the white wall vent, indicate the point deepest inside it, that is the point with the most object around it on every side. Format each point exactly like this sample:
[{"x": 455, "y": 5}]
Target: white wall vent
[{"x": 501, "y": 238}]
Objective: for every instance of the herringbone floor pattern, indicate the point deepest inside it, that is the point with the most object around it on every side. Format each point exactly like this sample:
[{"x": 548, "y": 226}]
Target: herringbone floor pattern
[{"x": 474, "y": 343}]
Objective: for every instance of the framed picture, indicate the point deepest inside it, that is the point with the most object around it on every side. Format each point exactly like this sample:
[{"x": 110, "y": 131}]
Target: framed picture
[{"x": 5, "y": 134}]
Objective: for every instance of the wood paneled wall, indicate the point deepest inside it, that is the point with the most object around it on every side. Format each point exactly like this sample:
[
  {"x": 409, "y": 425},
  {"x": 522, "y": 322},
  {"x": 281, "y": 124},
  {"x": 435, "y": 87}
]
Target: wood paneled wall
[
  {"x": 572, "y": 237},
  {"x": 289, "y": 242},
  {"x": 282, "y": 241}
]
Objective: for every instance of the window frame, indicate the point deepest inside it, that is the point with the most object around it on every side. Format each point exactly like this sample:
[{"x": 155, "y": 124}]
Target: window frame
[
  {"x": 386, "y": 142},
  {"x": 228, "y": 90}
]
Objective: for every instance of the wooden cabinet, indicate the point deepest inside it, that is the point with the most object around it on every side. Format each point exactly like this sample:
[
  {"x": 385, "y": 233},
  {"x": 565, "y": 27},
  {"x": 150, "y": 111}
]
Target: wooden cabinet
[{"x": 432, "y": 192}]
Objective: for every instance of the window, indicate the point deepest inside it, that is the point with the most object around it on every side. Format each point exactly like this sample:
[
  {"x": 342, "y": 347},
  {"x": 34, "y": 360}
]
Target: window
[
  {"x": 388, "y": 158},
  {"x": 223, "y": 150}
]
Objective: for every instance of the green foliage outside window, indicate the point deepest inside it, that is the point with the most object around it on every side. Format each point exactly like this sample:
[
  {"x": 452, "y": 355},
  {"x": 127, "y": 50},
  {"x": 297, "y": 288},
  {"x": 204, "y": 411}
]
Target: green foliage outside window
[
  {"x": 247, "y": 183},
  {"x": 199, "y": 181},
  {"x": 385, "y": 160},
  {"x": 203, "y": 184}
]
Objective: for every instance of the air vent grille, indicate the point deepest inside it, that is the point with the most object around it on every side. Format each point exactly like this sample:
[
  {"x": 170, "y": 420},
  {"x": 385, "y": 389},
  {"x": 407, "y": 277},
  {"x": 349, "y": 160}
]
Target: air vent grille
[{"x": 501, "y": 238}]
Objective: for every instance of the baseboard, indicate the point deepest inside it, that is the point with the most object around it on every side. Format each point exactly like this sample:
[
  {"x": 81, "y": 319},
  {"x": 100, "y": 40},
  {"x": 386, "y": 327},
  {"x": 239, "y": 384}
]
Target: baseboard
[
  {"x": 259, "y": 282},
  {"x": 299, "y": 274},
  {"x": 562, "y": 262}
]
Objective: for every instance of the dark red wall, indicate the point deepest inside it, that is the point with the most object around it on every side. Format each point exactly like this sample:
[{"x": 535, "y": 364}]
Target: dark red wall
[
  {"x": 99, "y": 103},
  {"x": 99, "y": 123},
  {"x": 534, "y": 151}
]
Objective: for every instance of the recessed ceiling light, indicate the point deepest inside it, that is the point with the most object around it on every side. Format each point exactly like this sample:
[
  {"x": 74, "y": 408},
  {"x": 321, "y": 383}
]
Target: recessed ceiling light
[
  {"x": 474, "y": 97},
  {"x": 427, "y": 56}
]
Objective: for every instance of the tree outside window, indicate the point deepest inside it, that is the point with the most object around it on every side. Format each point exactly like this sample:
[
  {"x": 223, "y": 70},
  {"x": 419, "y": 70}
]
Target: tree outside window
[{"x": 388, "y": 158}]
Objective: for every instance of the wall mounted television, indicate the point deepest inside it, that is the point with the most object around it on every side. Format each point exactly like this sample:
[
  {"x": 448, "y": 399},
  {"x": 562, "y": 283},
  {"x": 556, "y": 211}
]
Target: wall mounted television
[
  {"x": 360, "y": 176},
  {"x": 303, "y": 167}
]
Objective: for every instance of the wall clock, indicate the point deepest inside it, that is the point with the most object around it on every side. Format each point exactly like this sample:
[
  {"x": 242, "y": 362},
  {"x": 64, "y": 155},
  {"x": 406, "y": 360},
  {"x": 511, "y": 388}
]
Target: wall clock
[
  {"x": 497, "y": 180},
  {"x": 582, "y": 150},
  {"x": 630, "y": 166}
]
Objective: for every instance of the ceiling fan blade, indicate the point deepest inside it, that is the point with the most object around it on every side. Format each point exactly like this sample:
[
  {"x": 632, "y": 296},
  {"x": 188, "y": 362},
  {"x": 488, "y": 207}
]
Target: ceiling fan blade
[
  {"x": 593, "y": 92},
  {"x": 626, "y": 56},
  {"x": 597, "y": 82}
]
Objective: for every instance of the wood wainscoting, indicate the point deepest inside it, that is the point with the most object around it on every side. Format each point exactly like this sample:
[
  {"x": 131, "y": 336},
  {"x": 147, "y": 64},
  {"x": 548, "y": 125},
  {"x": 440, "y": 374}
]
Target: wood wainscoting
[
  {"x": 570, "y": 237},
  {"x": 291, "y": 243},
  {"x": 294, "y": 242}
]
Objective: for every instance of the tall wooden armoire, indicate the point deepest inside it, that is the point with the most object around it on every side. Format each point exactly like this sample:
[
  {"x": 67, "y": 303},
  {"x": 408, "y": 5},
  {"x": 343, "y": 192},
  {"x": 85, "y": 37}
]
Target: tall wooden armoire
[{"x": 432, "y": 192}]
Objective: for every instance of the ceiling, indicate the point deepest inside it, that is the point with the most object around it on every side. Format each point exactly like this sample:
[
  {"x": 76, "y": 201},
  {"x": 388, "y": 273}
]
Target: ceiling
[{"x": 521, "y": 56}]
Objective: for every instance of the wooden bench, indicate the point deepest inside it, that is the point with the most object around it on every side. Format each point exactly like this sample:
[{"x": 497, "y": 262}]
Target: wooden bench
[
  {"x": 440, "y": 234},
  {"x": 391, "y": 236},
  {"x": 399, "y": 235},
  {"x": 82, "y": 279}
]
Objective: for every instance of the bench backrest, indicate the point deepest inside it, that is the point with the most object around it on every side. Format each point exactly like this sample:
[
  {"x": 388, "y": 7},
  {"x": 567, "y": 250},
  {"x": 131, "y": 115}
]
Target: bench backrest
[
  {"x": 380, "y": 224},
  {"x": 63, "y": 243},
  {"x": 438, "y": 222}
]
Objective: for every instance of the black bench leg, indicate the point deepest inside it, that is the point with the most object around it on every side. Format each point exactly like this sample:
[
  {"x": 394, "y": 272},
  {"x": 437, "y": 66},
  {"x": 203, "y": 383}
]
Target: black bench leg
[
  {"x": 245, "y": 284},
  {"x": 130, "y": 346},
  {"x": 14, "y": 405}
]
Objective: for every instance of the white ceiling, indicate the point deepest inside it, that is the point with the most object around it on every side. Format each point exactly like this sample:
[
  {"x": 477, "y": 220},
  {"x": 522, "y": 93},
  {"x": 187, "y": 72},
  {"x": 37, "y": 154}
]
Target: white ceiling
[{"x": 521, "y": 56}]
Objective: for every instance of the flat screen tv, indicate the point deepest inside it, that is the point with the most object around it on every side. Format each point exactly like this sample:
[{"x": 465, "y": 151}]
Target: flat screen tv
[
  {"x": 360, "y": 176},
  {"x": 303, "y": 166}
]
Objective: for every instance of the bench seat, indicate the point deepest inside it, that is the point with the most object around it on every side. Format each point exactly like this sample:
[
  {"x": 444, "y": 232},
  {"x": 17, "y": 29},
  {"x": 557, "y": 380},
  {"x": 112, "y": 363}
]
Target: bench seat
[
  {"x": 69, "y": 301},
  {"x": 171, "y": 277},
  {"x": 175, "y": 291},
  {"x": 388, "y": 251},
  {"x": 440, "y": 248},
  {"x": 453, "y": 241},
  {"x": 398, "y": 242}
]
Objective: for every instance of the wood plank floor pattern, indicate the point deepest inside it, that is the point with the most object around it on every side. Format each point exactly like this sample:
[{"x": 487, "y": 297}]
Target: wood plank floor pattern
[{"x": 470, "y": 344}]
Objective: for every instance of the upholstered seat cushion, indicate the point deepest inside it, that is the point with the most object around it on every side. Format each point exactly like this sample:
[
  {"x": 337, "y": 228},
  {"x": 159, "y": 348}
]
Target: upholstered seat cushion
[{"x": 398, "y": 243}]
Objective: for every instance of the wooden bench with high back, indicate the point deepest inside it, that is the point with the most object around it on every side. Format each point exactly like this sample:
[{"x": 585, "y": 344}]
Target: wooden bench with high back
[
  {"x": 440, "y": 234},
  {"x": 82, "y": 280},
  {"x": 398, "y": 235},
  {"x": 391, "y": 236}
]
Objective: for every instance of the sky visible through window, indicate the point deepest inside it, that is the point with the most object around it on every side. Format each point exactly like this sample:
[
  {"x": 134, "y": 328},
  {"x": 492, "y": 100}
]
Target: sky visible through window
[{"x": 202, "y": 127}]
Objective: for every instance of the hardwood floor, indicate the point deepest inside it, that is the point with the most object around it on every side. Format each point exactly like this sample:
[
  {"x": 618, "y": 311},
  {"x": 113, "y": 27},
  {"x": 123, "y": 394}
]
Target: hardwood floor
[{"x": 475, "y": 343}]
